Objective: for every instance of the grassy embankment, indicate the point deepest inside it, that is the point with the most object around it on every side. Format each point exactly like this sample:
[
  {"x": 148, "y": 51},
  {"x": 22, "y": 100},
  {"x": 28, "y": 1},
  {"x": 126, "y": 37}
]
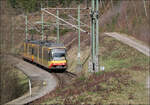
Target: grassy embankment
[
  {"x": 13, "y": 83},
  {"x": 122, "y": 82},
  {"x": 23, "y": 81}
]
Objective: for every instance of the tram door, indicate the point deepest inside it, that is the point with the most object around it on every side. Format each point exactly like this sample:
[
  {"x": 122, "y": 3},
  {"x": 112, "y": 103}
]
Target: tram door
[
  {"x": 45, "y": 56},
  {"x": 40, "y": 54}
]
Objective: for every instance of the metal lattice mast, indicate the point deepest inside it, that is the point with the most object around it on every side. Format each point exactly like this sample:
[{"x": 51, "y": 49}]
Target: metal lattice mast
[
  {"x": 57, "y": 21},
  {"x": 26, "y": 22},
  {"x": 12, "y": 31},
  {"x": 79, "y": 35},
  {"x": 42, "y": 26},
  {"x": 145, "y": 7},
  {"x": 97, "y": 28},
  {"x": 112, "y": 4},
  {"x": 94, "y": 64},
  {"x": 97, "y": 34},
  {"x": 93, "y": 32}
]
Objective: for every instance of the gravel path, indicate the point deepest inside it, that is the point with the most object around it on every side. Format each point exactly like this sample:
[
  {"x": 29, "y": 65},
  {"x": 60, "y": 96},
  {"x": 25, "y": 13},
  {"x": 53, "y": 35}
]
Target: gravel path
[
  {"x": 46, "y": 81},
  {"x": 131, "y": 42}
]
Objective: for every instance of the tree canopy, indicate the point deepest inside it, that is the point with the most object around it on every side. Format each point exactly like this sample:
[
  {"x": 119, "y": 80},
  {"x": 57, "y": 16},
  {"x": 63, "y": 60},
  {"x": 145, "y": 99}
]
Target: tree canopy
[{"x": 35, "y": 5}]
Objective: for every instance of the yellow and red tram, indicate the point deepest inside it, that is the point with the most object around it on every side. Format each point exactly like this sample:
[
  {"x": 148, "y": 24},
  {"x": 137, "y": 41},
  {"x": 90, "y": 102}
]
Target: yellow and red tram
[{"x": 47, "y": 54}]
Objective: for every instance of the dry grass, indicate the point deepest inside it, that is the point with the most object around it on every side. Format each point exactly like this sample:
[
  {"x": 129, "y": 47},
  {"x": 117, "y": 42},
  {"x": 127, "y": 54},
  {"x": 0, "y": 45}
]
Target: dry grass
[{"x": 122, "y": 82}]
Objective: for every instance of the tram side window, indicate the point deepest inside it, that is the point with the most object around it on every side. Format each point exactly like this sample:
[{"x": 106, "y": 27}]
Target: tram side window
[
  {"x": 40, "y": 52},
  {"x": 25, "y": 47},
  {"x": 35, "y": 51},
  {"x": 50, "y": 56},
  {"x": 46, "y": 54},
  {"x": 30, "y": 50}
]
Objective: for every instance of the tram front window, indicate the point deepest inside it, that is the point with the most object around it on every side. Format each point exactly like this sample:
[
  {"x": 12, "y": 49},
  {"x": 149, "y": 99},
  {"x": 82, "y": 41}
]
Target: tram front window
[{"x": 58, "y": 56}]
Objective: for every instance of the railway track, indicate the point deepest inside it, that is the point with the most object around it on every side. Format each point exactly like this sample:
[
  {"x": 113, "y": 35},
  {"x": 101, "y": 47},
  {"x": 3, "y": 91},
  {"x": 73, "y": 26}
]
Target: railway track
[{"x": 64, "y": 78}]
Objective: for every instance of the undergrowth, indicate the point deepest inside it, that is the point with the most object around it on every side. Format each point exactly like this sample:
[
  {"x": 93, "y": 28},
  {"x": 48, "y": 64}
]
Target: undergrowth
[{"x": 122, "y": 82}]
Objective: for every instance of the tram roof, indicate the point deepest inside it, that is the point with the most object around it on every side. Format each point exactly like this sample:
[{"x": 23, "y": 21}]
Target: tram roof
[{"x": 45, "y": 43}]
